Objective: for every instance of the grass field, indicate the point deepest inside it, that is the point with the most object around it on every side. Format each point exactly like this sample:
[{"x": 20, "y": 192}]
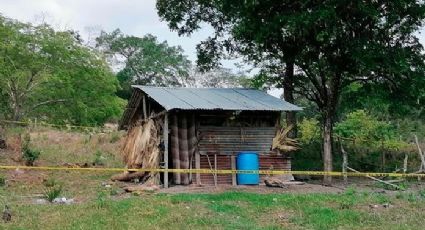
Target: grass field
[
  {"x": 101, "y": 207},
  {"x": 229, "y": 210}
]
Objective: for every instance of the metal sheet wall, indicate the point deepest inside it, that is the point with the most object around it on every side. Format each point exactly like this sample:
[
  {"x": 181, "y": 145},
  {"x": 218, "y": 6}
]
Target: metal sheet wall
[{"x": 231, "y": 140}]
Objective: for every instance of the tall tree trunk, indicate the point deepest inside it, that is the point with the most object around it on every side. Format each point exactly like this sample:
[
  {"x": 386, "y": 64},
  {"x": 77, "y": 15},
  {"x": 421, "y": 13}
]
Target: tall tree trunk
[
  {"x": 288, "y": 95},
  {"x": 327, "y": 147}
]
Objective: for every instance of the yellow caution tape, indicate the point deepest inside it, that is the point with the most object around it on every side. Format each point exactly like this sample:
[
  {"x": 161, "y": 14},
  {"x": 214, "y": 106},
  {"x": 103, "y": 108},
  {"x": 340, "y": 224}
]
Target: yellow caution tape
[
  {"x": 50, "y": 125},
  {"x": 220, "y": 171}
]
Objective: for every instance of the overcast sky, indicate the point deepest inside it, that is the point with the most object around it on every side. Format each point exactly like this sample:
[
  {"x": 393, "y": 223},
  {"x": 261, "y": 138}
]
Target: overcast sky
[{"x": 135, "y": 17}]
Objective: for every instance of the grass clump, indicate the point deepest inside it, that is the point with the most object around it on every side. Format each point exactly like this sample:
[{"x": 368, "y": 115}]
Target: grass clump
[
  {"x": 52, "y": 189},
  {"x": 51, "y": 193},
  {"x": 101, "y": 200}
]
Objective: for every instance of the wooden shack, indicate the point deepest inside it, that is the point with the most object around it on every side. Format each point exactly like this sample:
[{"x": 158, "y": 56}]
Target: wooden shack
[{"x": 205, "y": 128}]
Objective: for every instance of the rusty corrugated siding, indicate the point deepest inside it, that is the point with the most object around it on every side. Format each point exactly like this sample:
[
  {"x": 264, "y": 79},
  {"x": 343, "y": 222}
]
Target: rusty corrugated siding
[{"x": 231, "y": 140}]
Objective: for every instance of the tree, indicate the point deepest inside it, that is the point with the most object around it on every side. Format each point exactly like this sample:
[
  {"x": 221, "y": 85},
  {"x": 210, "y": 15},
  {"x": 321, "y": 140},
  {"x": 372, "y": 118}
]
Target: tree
[
  {"x": 49, "y": 74},
  {"x": 216, "y": 78},
  {"x": 333, "y": 43},
  {"x": 146, "y": 61}
]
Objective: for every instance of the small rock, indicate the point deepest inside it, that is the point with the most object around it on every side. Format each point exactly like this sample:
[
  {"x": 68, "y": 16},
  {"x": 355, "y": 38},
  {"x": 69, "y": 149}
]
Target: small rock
[
  {"x": 386, "y": 205},
  {"x": 108, "y": 186},
  {"x": 373, "y": 206},
  {"x": 40, "y": 201},
  {"x": 63, "y": 200},
  {"x": 187, "y": 207}
]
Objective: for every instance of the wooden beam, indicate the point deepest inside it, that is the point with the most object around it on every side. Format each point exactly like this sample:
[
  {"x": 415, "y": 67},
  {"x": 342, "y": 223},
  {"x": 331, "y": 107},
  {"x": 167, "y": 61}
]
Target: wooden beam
[
  {"x": 198, "y": 166},
  {"x": 344, "y": 162},
  {"x": 166, "y": 150},
  {"x": 215, "y": 168},
  {"x": 233, "y": 163},
  {"x": 421, "y": 155},
  {"x": 144, "y": 107}
]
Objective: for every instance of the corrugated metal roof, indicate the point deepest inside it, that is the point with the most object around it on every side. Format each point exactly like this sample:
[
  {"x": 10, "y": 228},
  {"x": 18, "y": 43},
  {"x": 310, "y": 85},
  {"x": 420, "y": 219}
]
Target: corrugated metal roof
[{"x": 216, "y": 99}]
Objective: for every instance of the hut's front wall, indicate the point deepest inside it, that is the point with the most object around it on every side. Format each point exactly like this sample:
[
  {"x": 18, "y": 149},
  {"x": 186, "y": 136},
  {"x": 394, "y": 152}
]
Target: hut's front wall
[
  {"x": 267, "y": 162},
  {"x": 223, "y": 135}
]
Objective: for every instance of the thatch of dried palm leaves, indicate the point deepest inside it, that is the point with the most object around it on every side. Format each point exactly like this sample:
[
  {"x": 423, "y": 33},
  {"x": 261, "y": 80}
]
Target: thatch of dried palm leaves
[
  {"x": 283, "y": 143},
  {"x": 141, "y": 148}
]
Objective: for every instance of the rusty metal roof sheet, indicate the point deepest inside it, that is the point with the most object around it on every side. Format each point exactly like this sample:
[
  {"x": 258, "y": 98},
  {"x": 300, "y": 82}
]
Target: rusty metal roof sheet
[{"x": 216, "y": 99}]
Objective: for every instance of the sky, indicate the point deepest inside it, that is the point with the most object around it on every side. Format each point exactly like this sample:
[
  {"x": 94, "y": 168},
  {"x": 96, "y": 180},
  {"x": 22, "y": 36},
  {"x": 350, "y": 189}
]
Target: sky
[{"x": 133, "y": 17}]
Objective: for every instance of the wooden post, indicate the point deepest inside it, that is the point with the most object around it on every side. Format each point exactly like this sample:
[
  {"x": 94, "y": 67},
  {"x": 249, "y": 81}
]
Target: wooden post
[
  {"x": 145, "y": 116},
  {"x": 215, "y": 168},
  {"x": 233, "y": 163},
  {"x": 166, "y": 150},
  {"x": 406, "y": 157},
  {"x": 421, "y": 155},
  {"x": 344, "y": 162},
  {"x": 344, "y": 166},
  {"x": 198, "y": 166}
]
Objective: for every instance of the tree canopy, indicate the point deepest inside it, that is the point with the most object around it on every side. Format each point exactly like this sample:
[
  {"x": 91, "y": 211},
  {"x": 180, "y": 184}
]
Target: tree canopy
[
  {"x": 146, "y": 61},
  {"x": 49, "y": 74}
]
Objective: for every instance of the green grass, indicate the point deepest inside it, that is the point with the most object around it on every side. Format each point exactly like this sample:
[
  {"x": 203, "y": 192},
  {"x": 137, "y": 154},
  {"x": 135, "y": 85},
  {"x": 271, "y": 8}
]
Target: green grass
[{"x": 229, "y": 210}]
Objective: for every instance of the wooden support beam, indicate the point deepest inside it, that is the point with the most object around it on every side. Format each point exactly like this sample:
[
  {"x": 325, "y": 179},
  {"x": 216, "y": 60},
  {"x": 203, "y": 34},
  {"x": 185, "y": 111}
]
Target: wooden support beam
[
  {"x": 166, "y": 150},
  {"x": 145, "y": 116},
  {"x": 198, "y": 166},
  {"x": 344, "y": 163},
  {"x": 421, "y": 155},
  {"x": 233, "y": 163},
  {"x": 215, "y": 168}
]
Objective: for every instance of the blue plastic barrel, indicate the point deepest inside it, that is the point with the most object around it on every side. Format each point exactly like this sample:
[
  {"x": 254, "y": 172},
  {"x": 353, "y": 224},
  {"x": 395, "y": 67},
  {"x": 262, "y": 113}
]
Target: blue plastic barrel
[{"x": 247, "y": 161}]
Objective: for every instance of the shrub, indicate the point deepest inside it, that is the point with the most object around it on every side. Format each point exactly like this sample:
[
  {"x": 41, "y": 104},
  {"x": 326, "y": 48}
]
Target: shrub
[
  {"x": 2, "y": 181},
  {"x": 28, "y": 154},
  {"x": 98, "y": 158}
]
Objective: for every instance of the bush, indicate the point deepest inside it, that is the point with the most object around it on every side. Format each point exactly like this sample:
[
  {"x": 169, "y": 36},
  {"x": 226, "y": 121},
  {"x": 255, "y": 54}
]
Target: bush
[
  {"x": 2, "y": 181},
  {"x": 115, "y": 136},
  {"x": 28, "y": 154},
  {"x": 99, "y": 158}
]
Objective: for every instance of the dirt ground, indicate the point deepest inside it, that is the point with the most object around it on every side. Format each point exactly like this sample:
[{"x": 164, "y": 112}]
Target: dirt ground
[{"x": 312, "y": 186}]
